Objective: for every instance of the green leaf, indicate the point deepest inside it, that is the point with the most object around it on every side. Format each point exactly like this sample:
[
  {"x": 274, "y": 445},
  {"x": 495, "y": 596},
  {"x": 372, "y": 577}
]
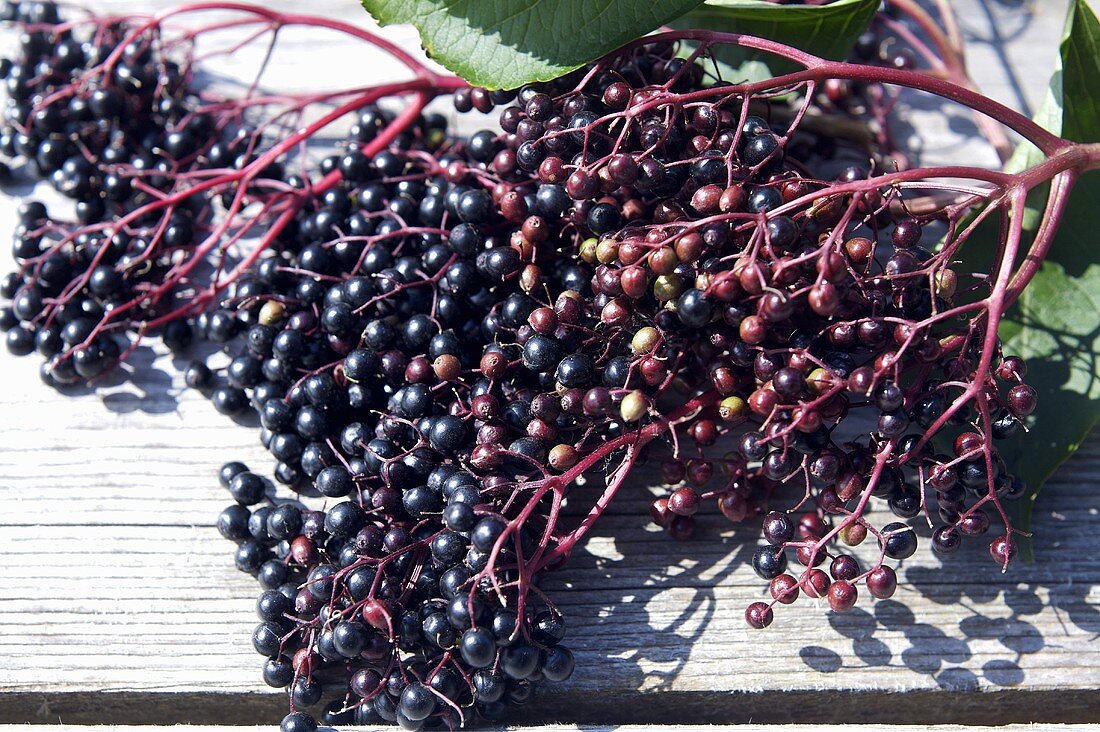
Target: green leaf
[
  {"x": 504, "y": 44},
  {"x": 1055, "y": 325},
  {"x": 823, "y": 30}
]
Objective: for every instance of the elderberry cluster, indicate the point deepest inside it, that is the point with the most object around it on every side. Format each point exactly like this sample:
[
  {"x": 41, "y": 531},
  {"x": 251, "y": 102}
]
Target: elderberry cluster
[
  {"x": 113, "y": 123},
  {"x": 440, "y": 335},
  {"x": 374, "y": 346},
  {"x": 718, "y": 256}
]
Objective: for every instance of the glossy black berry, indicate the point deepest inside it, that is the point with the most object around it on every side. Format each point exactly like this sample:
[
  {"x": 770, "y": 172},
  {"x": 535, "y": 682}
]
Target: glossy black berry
[
  {"x": 769, "y": 562},
  {"x": 900, "y": 540}
]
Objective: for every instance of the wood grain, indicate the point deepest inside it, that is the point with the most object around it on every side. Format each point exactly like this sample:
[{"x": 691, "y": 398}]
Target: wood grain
[
  {"x": 602, "y": 728},
  {"x": 119, "y": 603}
]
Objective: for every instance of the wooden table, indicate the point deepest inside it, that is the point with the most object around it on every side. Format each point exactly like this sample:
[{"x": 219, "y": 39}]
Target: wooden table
[{"x": 119, "y": 603}]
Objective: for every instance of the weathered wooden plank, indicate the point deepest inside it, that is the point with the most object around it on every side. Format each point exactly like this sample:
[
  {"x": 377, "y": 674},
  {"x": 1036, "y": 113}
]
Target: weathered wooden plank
[
  {"x": 599, "y": 728},
  {"x": 114, "y": 581},
  {"x": 603, "y": 728}
]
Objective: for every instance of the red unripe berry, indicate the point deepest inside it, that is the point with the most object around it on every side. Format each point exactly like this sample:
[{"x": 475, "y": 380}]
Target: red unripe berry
[
  {"x": 418, "y": 370},
  {"x": 486, "y": 457},
  {"x": 306, "y": 661},
  {"x": 634, "y": 281},
  {"x": 684, "y": 502},
  {"x": 805, "y": 420},
  {"x": 967, "y": 443},
  {"x": 689, "y": 247},
  {"x": 754, "y": 278},
  {"x": 762, "y": 402},
  {"x": 707, "y": 199},
  {"x": 617, "y": 96},
  {"x": 849, "y": 486},
  {"x": 842, "y": 596},
  {"x": 824, "y": 299},
  {"x": 759, "y": 615},
  {"x": 725, "y": 288},
  {"x": 672, "y": 471},
  {"x": 1012, "y": 368},
  {"x": 616, "y": 313},
  {"x": 1003, "y": 550},
  {"x": 569, "y": 307},
  {"x": 816, "y": 583},
  {"x": 512, "y": 204},
  {"x": 543, "y": 320},
  {"x": 653, "y": 371},
  {"x": 784, "y": 589},
  {"x": 829, "y": 501},
  {"x": 859, "y": 249},
  {"x": 663, "y": 261},
  {"x": 810, "y": 524},
  {"x": 304, "y": 551},
  {"x": 807, "y": 556},
  {"x": 581, "y": 185},
  {"x": 733, "y": 506},
  {"x": 485, "y": 406},
  {"x": 753, "y": 330},
  {"x": 494, "y": 364},
  {"x": 377, "y": 614},
  {"x": 882, "y": 582},
  {"x": 861, "y": 381},
  {"x": 732, "y": 199},
  {"x": 975, "y": 523},
  {"x": 681, "y": 528},
  {"x": 660, "y": 513},
  {"x": 1022, "y": 400},
  {"x": 844, "y": 567},
  {"x": 622, "y": 169},
  {"x": 306, "y": 603},
  {"x": 699, "y": 472},
  {"x": 830, "y": 266},
  {"x": 704, "y": 432},
  {"x": 542, "y": 430},
  {"x": 552, "y": 170}
]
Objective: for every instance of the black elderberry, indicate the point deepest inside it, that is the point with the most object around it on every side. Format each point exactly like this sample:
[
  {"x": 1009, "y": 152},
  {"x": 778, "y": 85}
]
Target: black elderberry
[
  {"x": 764, "y": 199},
  {"x": 334, "y": 482},
  {"x": 603, "y": 218},
  {"x": 298, "y": 722},
  {"x": 760, "y": 148},
  {"x": 273, "y": 574},
  {"x": 946, "y": 539},
  {"x": 548, "y": 628},
  {"x": 478, "y": 647},
  {"x": 900, "y": 541},
  {"x": 273, "y": 606},
  {"x": 769, "y": 562},
  {"x": 267, "y": 639},
  {"x": 344, "y": 519},
  {"x": 250, "y": 556},
  {"x": 247, "y": 488},
  {"x": 557, "y": 663},
  {"x": 541, "y": 353},
  {"x": 519, "y": 661},
  {"x": 417, "y": 702},
  {"x": 232, "y": 523}
]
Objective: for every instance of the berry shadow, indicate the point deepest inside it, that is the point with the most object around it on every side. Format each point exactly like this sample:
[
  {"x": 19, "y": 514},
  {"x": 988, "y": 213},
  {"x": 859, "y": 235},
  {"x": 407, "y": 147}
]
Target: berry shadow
[
  {"x": 640, "y": 603},
  {"x": 140, "y": 384},
  {"x": 988, "y": 623}
]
